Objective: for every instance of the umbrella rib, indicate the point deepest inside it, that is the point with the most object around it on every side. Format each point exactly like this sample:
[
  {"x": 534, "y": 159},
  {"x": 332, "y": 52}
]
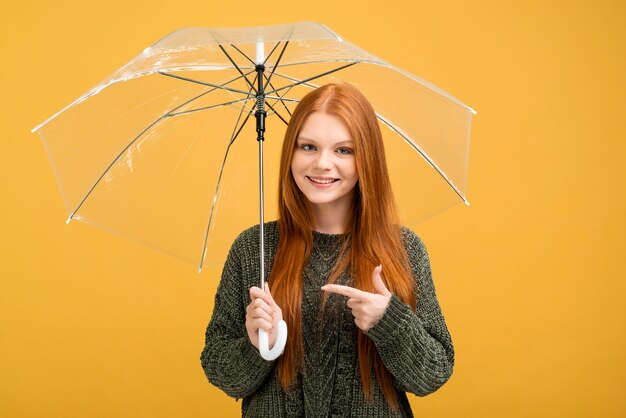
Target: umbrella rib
[
  {"x": 244, "y": 55},
  {"x": 313, "y": 86},
  {"x": 276, "y": 113},
  {"x": 238, "y": 69},
  {"x": 241, "y": 52},
  {"x": 160, "y": 118},
  {"x": 314, "y": 77},
  {"x": 271, "y": 52},
  {"x": 250, "y": 59},
  {"x": 287, "y": 35},
  {"x": 215, "y": 87},
  {"x": 279, "y": 98},
  {"x": 112, "y": 163},
  {"x": 204, "y": 83},
  {"x": 326, "y": 61},
  {"x": 219, "y": 179},
  {"x": 283, "y": 99},
  {"x": 423, "y": 154},
  {"x": 185, "y": 112},
  {"x": 233, "y": 62},
  {"x": 267, "y": 82}
]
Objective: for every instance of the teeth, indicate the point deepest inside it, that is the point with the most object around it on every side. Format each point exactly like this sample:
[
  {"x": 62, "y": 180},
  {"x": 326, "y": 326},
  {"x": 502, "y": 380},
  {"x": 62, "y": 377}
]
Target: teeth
[{"x": 321, "y": 181}]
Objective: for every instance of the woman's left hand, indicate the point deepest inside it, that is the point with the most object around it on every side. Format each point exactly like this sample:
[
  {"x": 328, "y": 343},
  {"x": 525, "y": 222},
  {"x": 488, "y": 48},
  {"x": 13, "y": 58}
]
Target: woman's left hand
[{"x": 367, "y": 308}]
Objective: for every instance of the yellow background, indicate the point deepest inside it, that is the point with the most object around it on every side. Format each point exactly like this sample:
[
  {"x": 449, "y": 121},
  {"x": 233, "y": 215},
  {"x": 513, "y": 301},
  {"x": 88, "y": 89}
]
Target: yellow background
[{"x": 531, "y": 277}]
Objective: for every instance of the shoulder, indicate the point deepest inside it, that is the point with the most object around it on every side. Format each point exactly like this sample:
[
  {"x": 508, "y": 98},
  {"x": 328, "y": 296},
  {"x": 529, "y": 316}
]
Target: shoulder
[
  {"x": 252, "y": 233},
  {"x": 415, "y": 251},
  {"x": 247, "y": 242},
  {"x": 412, "y": 242}
]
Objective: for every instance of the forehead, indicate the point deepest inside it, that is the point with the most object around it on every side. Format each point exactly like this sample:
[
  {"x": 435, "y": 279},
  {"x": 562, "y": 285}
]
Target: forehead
[{"x": 321, "y": 126}]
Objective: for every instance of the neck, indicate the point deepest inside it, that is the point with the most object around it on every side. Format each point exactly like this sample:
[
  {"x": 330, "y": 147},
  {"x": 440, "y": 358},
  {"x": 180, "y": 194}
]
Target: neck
[{"x": 331, "y": 218}]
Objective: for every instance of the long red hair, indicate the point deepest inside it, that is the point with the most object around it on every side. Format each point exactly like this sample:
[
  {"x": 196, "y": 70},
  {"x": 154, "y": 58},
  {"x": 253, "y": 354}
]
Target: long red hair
[{"x": 373, "y": 231}]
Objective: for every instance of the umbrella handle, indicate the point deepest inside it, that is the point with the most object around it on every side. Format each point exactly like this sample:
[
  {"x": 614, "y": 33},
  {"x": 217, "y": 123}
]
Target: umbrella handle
[{"x": 279, "y": 346}]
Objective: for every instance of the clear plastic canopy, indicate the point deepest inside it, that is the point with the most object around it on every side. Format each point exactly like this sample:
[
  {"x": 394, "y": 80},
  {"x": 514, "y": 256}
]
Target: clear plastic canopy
[{"x": 164, "y": 151}]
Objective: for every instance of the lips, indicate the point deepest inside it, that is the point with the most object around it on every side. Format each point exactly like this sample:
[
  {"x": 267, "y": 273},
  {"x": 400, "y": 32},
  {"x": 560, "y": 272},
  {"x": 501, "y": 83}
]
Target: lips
[{"x": 322, "y": 180}]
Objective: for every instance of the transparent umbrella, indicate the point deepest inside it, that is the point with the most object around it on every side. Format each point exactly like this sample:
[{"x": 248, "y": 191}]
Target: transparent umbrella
[{"x": 168, "y": 150}]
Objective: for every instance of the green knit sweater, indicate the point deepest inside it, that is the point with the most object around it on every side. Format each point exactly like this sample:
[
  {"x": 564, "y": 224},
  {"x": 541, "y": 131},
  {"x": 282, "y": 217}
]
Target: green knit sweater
[{"x": 415, "y": 346}]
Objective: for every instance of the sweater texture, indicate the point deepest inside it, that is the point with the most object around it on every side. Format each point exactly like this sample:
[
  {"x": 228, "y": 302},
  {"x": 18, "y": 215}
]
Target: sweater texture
[{"x": 415, "y": 346}]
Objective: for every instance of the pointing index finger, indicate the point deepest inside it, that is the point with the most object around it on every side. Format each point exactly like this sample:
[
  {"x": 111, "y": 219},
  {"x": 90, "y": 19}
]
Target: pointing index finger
[{"x": 348, "y": 291}]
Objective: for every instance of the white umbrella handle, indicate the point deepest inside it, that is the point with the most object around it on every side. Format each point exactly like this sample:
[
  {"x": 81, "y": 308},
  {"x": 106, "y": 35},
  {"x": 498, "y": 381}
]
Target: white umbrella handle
[{"x": 279, "y": 346}]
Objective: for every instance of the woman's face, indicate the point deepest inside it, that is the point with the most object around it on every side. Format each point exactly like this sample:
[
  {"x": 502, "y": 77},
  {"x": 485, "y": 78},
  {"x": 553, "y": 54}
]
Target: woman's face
[{"x": 323, "y": 163}]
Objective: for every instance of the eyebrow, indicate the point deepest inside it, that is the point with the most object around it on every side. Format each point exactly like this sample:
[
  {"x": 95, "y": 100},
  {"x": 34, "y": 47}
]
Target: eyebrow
[{"x": 343, "y": 142}]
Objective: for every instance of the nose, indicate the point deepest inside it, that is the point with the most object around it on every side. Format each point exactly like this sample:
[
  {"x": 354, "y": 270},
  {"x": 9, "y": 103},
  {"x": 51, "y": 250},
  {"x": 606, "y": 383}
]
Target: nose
[{"x": 323, "y": 161}]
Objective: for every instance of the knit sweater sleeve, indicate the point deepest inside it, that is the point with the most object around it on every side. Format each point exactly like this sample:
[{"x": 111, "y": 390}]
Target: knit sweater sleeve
[
  {"x": 415, "y": 346},
  {"x": 229, "y": 359}
]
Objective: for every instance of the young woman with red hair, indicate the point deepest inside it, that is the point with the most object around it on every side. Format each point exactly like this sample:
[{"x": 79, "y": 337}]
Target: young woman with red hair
[{"x": 354, "y": 287}]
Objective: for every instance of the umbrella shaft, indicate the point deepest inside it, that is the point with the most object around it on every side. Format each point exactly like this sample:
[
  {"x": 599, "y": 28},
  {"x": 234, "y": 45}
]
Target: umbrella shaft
[
  {"x": 261, "y": 216},
  {"x": 260, "y": 129}
]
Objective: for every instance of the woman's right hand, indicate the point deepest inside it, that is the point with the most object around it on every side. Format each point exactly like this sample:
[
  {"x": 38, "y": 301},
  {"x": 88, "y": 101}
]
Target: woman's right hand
[{"x": 262, "y": 313}]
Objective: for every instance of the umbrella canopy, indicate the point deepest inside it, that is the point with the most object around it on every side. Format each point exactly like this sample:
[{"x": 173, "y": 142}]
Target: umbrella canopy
[{"x": 164, "y": 150}]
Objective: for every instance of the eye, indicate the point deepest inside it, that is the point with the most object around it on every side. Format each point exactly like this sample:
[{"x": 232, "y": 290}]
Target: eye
[
  {"x": 344, "y": 151},
  {"x": 306, "y": 147}
]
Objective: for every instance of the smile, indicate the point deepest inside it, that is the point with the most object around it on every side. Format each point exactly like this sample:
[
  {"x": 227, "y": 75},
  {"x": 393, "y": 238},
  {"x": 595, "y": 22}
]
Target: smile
[{"x": 322, "y": 180}]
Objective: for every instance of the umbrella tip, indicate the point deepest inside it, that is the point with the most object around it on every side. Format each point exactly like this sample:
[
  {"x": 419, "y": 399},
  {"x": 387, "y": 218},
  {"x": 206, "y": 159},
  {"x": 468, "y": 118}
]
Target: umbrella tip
[
  {"x": 68, "y": 220},
  {"x": 199, "y": 269}
]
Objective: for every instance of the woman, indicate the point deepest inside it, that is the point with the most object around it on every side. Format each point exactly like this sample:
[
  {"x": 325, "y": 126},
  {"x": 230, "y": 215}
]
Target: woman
[{"x": 354, "y": 287}]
